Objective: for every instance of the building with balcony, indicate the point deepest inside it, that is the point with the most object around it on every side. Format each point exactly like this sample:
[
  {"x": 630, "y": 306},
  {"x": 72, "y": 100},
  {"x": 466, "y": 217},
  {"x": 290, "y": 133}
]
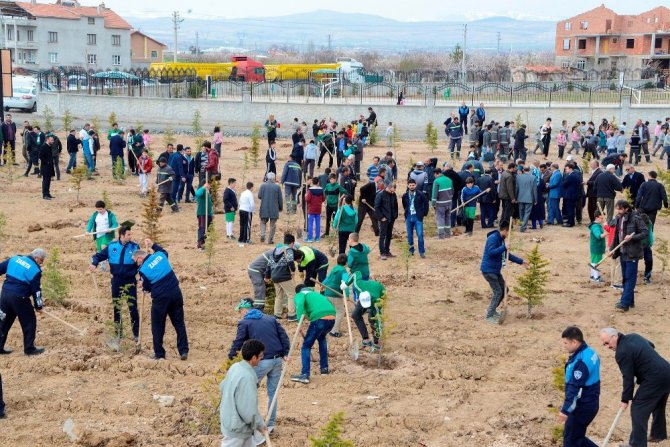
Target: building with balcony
[
  {"x": 65, "y": 33},
  {"x": 602, "y": 40},
  {"x": 145, "y": 50}
]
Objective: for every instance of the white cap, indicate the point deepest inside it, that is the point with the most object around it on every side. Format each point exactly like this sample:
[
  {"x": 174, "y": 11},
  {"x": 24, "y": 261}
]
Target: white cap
[
  {"x": 365, "y": 299},
  {"x": 610, "y": 167},
  {"x": 570, "y": 158}
]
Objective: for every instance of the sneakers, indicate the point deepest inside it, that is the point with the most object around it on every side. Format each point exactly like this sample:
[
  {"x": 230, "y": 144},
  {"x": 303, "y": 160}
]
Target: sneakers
[
  {"x": 335, "y": 334},
  {"x": 597, "y": 280},
  {"x": 617, "y": 286},
  {"x": 291, "y": 318},
  {"x": 35, "y": 351},
  {"x": 184, "y": 356},
  {"x": 300, "y": 378},
  {"x": 4, "y": 351},
  {"x": 375, "y": 348},
  {"x": 324, "y": 371},
  {"x": 621, "y": 308},
  {"x": 383, "y": 257},
  {"x": 495, "y": 319},
  {"x": 367, "y": 344}
]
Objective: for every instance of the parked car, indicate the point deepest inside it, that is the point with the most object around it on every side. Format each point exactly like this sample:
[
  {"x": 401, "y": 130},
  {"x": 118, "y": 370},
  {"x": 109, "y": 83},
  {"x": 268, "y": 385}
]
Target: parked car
[{"x": 24, "y": 95}]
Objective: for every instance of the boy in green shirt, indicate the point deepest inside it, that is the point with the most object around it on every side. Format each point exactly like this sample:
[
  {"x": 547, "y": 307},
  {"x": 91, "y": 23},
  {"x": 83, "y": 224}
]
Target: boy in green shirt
[
  {"x": 321, "y": 315},
  {"x": 597, "y": 244},
  {"x": 333, "y": 191},
  {"x": 357, "y": 258},
  {"x": 202, "y": 195},
  {"x": 101, "y": 220},
  {"x": 332, "y": 283},
  {"x": 369, "y": 294},
  {"x": 345, "y": 222}
]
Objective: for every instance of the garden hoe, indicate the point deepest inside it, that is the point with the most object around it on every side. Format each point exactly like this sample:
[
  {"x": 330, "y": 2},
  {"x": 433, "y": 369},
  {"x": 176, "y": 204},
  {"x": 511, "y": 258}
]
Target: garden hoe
[
  {"x": 503, "y": 314},
  {"x": 613, "y": 427},
  {"x": 595, "y": 266},
  {"x": 138, "y": 349},
  {"x": 353, "y": 348},
  {"x": 474, "y": 198},
  {"x": 50, "y": 315}
]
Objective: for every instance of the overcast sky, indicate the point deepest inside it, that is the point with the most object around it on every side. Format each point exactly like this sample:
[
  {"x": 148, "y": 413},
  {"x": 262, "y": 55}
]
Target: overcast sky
[{"x": 396, "y": 9}]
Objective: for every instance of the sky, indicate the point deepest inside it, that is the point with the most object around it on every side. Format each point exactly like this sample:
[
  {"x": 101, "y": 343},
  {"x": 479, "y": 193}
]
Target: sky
[{"x": 415, "y": 10}]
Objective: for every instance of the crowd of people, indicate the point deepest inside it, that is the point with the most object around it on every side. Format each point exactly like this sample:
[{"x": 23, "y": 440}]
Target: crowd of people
[{"x": 500, "y": 180}]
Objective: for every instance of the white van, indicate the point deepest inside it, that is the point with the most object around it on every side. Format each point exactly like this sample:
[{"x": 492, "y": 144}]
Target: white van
[{"x": 24, "y": 94}]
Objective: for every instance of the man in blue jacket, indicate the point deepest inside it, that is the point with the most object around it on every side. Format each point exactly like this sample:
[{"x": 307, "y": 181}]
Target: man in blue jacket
[
  {"x": 119, "y": 253},
  {"x": 415, "y": 204},
  {"x": 555, "y": 194},
  {"x": 495, "y": 254},
  {"x": 176, "y": 162},
  {"x": 117, "y": 144},
  {"x": 480, "y": 113},
  {"x": 463, "y": 112},
  {"x": 157, "y": 277},
  {"x": 265, "y": 328},
  {"x": 582, "y": 389},
  {"x": 572, "y": 182},
  {"x": 291, "y": 179},
  {"x": 23, "y": 279}
]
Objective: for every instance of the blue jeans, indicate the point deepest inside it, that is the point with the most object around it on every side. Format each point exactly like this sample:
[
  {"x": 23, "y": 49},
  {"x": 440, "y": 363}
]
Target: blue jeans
[
  {"x": 90, "y": 164},
  {"x": 413, "y": 223},
  {"x": 317, "y": 331},
  {"x": 271, "y": 368},
  {"x": 555, "y": 211},
  {"x": 629, "y": 274},
  {"x": 73, "y": 161},
  {"x": 313, "y": 226}
]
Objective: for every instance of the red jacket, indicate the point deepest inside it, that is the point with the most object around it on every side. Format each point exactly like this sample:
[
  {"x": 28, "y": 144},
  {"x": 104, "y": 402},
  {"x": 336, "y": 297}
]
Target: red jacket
[
  {"x": 212, "y": 162},
  {"x": 314, "y": 199},
  {"x": 146, "y": 165}
]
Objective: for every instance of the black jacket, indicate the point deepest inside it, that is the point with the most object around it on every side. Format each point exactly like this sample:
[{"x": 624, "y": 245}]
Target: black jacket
[
  {"x": 368, "y": 192},
  {"x": 520, "y": 138},
  {"x": 420, "y": 204},
  {"x": 386, "y": 206},
  {"x": 638, "y": 361},
  {"x": 455, "y": 180},
  {"x": 591, "y": 183},
  {"x": 633, "y": 249},
  {"x": 633, "y": 183},
  {"x": 607, "y": 185},
  {"x": 4, "y": 131},
  {"x": 73, "y": 144},
  {"x": 46, "y": 160},
  {"x": 651, "y": 196},
  {"x": 485, "y": 182}
]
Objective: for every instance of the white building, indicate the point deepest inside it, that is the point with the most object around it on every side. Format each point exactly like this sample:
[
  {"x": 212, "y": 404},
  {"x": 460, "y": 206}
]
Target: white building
[{"x": 64, "y": 34}]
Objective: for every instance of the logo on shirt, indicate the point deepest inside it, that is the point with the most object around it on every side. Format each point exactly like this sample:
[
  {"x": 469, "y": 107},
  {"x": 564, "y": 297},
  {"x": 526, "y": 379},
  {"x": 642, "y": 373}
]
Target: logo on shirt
[
  {"x": 114, "y": 250},
  {"x": 23, "y": 263},
  {"x": 155, "y": 262},
  {"x": 578, "y": 375}
]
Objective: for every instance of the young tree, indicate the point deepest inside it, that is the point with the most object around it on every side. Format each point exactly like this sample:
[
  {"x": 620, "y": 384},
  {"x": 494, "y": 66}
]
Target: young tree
[
  {"x": 3, "y": 225},
  {"x": 68, "y": 120},
  {"x": 662, "y": 255},
  {"x": 215, "y": 192},
  {"x": 532, "y": 285},
  {"x": 78, "y": 175},
  {"x": 108, "y": 201},
  {"x": 196, "y": 126},
  {"x": 95, "y": 123},
  {"x": 207, "y": 419},
  {"x": 331, "y": 434},
  {"x": 255, "y": 145},
  {"x": 138, "y": 127},
  {"x": 8, "y": 160},
  {"x": 48, "y": 119},
  {"x": 585, "y": 162},
  {"x": 119, "y": 171},
  {"x": 431, "y": 136},
  {"x": 210, "y": 244},
  {"x": 55, "y": 285},
  {"x": 111, "y": 119},
  {"x": 382, "y": 325},
  {"x": 374, "y": 136},
  {"x": 406, "y": 256},
  {"x": 168, "y": 136},
  {"x": 245, "y": 168},
  {"x": 151, "y": 214},
  {"x": 395, "y": 138}
]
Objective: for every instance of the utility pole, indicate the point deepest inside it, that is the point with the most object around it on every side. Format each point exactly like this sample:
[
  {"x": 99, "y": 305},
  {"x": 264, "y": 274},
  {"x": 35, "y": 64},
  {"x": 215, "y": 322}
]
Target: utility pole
[
  {"x": 465, "y": 40},
  {"x": 176, "y": 20},
  {"x": 329, "y": 42},
  {"x": 197, "y": 47},
  {"x": 498, "y": 41}
]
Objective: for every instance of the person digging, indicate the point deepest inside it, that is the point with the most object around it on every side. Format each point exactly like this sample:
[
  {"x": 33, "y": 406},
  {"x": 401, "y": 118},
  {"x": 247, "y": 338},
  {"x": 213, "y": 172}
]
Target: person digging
[{"x": 369, "y": 294}]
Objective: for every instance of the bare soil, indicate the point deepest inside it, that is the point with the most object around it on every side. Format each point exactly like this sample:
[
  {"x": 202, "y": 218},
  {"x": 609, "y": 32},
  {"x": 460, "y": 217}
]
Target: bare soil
[{"x": 448, "y": 377}]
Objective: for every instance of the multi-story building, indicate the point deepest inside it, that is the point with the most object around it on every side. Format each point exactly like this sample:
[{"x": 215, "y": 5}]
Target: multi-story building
[
  {"x": 602, "y": 40},
  {"x": 65, "y": 33},
  {"x": 145, "y": 50}
]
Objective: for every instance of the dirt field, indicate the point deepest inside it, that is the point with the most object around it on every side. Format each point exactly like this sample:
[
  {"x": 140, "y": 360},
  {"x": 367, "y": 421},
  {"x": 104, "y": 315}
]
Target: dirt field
[{"x": 449, "y": 378}]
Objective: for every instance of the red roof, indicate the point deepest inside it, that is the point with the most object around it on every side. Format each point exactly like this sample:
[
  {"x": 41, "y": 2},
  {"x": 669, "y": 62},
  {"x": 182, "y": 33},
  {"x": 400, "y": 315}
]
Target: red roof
[{"x": 51, "y": 10}]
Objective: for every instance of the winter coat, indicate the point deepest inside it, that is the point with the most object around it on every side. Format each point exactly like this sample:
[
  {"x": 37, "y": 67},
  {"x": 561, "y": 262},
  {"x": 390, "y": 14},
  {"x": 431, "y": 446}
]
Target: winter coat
[
  {"x": 526, "y": 188},
  {"x": 443, "y": 191},
  {"x": 421, "y": 179},
  {"x": 46, "y": 160},
  {"x": 486, "y": 182},
  {"x": 280, "y": 265},
  {"x": 265, "y": 328},
  {"x": 507, "y": 186},
  {"x": 633, "y": 249},
  {"x": 571, "y": 184},
  {"x": 555, "y": 185},
  {"x": 591, "y": 183},
  {"x": 639, "y": 362},
  {"x": 271, "y": 200},
  {"x": 292, "y": 174},
  {"x": 420, "y": 204},
  {"x": 314, "y": 200},
  {"x": 495, "y": 253},
  {"x": 357, "y": 259},
  {"x": 239, "y": 414},
  {"x": 386, "y": 206},
  {"x": 607, "y": 184},
  {"x": 651, "y": 196},
  {"x": 633, "y": 181},
  {"x": 163, "y": 174},
  {"x": 346, "y": 219}
]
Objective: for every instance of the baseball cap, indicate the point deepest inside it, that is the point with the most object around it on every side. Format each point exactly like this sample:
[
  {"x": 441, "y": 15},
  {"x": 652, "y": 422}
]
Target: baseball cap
[
  {"x": 419, "y": 163},
  {"x": 245, "y": 303},
  {"x": 365, "y": 299},
  {"x": 570, "y": 158}
]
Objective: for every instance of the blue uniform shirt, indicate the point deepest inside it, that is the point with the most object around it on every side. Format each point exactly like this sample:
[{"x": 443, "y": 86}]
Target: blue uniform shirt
[
  {"x": 23, "y": 278},
  {"x": 157, "y": 275},
  {"x": 120, "y": 258},
  {"x": 582, "y": 379}
]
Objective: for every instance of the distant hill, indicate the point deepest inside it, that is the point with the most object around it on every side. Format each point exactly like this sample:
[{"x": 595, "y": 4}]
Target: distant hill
[{"x": 352, "y": 31}]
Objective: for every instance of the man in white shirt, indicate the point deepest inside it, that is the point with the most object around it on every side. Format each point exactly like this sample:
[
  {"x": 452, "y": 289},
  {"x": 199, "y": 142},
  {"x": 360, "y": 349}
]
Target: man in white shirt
[
  {"x": 389, "y": 135},
  {"x": 247, "y": 208}
]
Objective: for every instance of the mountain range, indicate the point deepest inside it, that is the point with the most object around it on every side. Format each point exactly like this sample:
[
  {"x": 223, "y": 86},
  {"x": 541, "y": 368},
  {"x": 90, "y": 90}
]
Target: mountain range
[{"x": 314, "y": 30}]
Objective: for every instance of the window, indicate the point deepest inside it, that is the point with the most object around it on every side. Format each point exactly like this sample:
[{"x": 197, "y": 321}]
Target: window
[
  {"x": 18, "y": 35},
  {"x": 30, "y": 59},
  {"x": 615, "y": 40},
  {"x": 658, "y": 43},
  {"x": 116, "y": 59},
  {"x": 91, "y": 20},
  {"x": 581, "y": 44},
  {"x": 92, "y": 59},
  {"x": 10, "y": 33},
  {"x": 630, "y": 43},
  {"x": 31, "y": 35},
  {"x": 566, "y": 44},
  {"x": 648, "y": 19},
  {"x": 116, "y": 40},
  {"x": 53, "y": 37},
  {"x": 581, "y": 64},
  {"x": 565, "y": 64},
  {"x": 53, "y": 58},
  {"x": 154, "y": 54},
  {"x": 584, "y": 25},
  {"x": 91, "y": 39},
  {"x": 568, "y": 26}
]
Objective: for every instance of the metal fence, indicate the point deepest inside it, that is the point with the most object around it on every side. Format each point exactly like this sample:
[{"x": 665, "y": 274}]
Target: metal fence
[{"x": 414, "y": 91}]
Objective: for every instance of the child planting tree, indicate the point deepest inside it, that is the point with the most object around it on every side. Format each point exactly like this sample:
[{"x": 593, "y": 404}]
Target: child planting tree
[{"x": 532, "y": 284}]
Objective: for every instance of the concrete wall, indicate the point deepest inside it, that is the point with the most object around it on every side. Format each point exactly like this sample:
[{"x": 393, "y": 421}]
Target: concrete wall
[{"x": 410, "y": 120}]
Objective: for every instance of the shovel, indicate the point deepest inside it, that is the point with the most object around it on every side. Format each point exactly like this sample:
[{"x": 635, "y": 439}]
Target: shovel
[
  {"x": 503, "y": 314},
  {"x": 595, "y": 266},
  {"x": 353, "y": 348},
  {"x": 613, "y": 427}
]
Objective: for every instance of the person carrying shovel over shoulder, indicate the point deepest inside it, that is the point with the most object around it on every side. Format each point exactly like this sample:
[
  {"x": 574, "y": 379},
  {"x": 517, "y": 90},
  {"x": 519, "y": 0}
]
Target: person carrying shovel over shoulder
[
  {"x": 369, "y": 294},
  {"x": 493, "y": 259},
  {"x": 101, "y": 220},
  {"x": 321, "y": 315}
]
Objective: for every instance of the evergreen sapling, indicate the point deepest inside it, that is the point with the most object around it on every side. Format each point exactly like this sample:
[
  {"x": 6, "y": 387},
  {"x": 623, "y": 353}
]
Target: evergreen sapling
[
  {"x": 255, "y": 145},
  {"x": 532, "y": 285},
  {"x": 431, "y": 136},
  {"x": 68, "y": 120},
  {"x": 331, "y": 434},
  {"x": 78, "y": 175},
  {"x": 55, "y": 286},
  {"x": 151, "y": 214}
]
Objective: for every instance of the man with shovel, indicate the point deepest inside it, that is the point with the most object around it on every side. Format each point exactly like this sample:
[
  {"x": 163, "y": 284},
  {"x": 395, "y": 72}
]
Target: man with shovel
[
  {"x": 639, "y": 362},
  {"x": 495, "y": 255},
  {"x": 265, "y": 328},
  {"x": 119, "y": 253}
]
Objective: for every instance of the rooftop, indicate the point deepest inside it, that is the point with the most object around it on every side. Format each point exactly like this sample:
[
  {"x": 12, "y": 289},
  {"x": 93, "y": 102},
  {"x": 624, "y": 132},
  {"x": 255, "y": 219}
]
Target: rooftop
[{"x": 68, "y": 10}]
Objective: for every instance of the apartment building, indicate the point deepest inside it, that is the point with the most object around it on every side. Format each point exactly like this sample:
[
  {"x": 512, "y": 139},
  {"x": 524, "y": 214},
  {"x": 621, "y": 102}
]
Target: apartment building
[
  {"x": 45, "y": 35},
  {"x": 601, "y": 39}
]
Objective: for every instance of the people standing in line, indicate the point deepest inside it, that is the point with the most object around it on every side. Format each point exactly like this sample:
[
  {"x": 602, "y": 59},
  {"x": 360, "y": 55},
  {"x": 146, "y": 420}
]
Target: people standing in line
[
  {"x": 640, "y": 363},
  {"x": 386, "y": 209},
  {"x": 158, "y": 278},
  {"x": 254, "y": 325},
  {"x": 582, "y": 388},
  {"x": 247, "y": 208}
]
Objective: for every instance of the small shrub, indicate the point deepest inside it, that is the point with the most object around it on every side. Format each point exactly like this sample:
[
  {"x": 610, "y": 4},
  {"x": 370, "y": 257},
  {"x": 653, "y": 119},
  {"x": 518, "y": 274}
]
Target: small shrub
[
  {"x": 395, "y": 138},
  {"x": 48, "y": 119},
  {"x": 255, "y": 145},
  {"x": 374, "y": 136},
  {"x": 168, "y": 136},
  {"x": 111, "y": 119},
  {"x": 95, "y": 123},
  {"x": 532, "y": 285},
  {"x": 8, "y": 159},
  {"x": 55, "y": 285},
  {"x": 151, "y": 215},
  {"x": 78, "y": 175},
  {"x": 119, "y": 171},
  {"x": 108, "y": 201},
  {"x": 331, "y": 434},
  {"x": 68, "y": 120},
  {"x": 215, "y": 191},
  {"x": 431, "y": 136}
]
